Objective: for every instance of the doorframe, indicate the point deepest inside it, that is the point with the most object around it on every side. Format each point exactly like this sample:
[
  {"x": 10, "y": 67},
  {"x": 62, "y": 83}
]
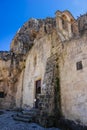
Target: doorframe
[{"x": 35, "y": 88}]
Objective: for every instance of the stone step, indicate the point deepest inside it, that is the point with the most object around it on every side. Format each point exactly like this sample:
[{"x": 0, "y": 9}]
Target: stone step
[
  {"x": 27, "y": 115},
  {"x": 31, "y": 112},
  {"x": 32, "y": 109},
  {"x": 17, "y": 118},
  {"x": 24, "y": 115},
  {"x": 28, "y": 112}
]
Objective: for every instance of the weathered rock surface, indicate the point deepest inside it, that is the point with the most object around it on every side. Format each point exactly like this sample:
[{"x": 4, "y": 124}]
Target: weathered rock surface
[
  {"x": 31, "y": 30},
  {"x": 48, "y": 50}
]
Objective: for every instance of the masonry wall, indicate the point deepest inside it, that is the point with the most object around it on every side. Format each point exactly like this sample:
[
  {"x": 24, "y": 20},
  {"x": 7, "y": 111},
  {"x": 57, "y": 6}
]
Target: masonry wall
[
  {"x": 55, "y": 53},
  {"x": 73, "y": 82},
  {"x": 35, "y": 69}
]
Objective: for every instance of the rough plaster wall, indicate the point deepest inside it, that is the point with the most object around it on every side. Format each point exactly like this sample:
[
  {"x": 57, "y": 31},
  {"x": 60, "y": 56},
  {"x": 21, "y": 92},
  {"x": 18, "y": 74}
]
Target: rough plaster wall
[
  {"x": 41, "y": 50},
  {"x": 19, "y": 93},
  {"x": 73, "y": 81}
]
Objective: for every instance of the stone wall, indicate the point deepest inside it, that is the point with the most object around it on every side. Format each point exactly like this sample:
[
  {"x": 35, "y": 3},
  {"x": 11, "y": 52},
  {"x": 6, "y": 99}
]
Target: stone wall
[
  {"x": 35, "y": 69},
  {"x": 19, "y": 93},
  {"x": 55, "y": 51},
  {"x": 13, "y": 62},
  {"x": 4, "y": 82},
  {"x": 82, "y": 23},
  {"x": 73, "y": 81},
  {"x": 11, "y": 65}
]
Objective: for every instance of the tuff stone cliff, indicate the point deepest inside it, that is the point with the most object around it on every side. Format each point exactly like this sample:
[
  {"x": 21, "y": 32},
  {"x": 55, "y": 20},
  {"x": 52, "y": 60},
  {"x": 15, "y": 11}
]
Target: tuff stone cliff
[
  {"x": 31, "y": 30},
  {"x": 12, "y": 63},
  {"x": 52, "y": 50}
]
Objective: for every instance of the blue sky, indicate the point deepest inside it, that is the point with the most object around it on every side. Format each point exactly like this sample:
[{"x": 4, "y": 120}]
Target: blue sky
[{"x": 14, "y": 13}]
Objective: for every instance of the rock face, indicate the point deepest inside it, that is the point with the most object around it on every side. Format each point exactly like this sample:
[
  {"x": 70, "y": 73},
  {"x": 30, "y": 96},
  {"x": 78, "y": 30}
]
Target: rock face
[
  {"x": 11, "y": 66},
  {"x": 46, "y": 68},
  {"x": 31, "y": 30}
]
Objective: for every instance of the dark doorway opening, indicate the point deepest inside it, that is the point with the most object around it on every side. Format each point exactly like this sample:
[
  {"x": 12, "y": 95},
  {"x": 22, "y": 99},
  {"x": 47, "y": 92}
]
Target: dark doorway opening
[
  {"x": 37, "y": 92},
  {"x": 2, "y": 95}
]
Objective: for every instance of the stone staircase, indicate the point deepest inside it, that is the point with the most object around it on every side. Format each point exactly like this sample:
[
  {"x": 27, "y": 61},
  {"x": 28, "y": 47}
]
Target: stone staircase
[{"x": 27, "y": 115}]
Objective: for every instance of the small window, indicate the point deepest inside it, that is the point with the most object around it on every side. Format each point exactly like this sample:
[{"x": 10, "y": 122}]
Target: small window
[
  {"x": 2, "y": 95},
  {"x": 79, "y": 65}
]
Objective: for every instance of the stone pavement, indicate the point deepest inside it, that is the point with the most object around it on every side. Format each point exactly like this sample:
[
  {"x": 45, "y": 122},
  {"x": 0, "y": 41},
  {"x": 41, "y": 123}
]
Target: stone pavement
[{"x": 7, "y": 123}]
